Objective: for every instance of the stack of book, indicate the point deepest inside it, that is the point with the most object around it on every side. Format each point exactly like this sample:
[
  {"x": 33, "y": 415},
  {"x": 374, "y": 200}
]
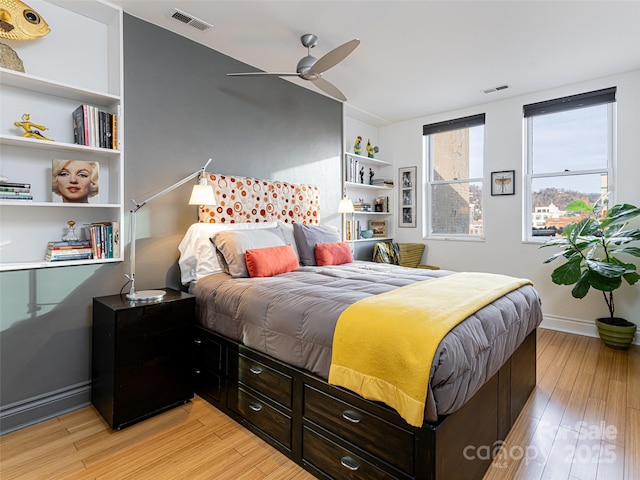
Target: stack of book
[
  {"x": 362, "y": 207},
  {"x": 76, "y": 250},
  {"x": 95, "y": 128},
  {"x": 387, "y": 182},
  {"x": 105, "y": 239},
  {"x": 15, "y": 191}
]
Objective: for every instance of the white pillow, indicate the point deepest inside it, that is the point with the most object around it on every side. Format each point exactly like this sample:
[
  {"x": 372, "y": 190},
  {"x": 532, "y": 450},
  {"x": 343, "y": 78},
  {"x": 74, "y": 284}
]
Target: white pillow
[
  {"x": 287, "y": 231},
  {"x": 198, "y": 254}
]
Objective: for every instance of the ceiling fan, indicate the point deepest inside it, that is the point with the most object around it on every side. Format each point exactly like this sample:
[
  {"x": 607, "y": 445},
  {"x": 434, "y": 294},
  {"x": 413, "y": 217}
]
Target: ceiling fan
[{"x": 311, "y": 68}]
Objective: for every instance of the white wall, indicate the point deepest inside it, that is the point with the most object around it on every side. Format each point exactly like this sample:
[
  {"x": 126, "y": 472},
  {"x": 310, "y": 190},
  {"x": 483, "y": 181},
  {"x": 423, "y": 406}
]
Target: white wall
[{"x": 502, "y": 250}]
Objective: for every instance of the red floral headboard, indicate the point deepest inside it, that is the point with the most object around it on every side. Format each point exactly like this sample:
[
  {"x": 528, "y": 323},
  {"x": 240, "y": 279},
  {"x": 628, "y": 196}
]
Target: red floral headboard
[{"x": 251, "y": 200}]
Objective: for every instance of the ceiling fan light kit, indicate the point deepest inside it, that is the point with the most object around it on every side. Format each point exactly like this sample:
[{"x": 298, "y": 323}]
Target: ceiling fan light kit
[{"x": 311, "y": 69}]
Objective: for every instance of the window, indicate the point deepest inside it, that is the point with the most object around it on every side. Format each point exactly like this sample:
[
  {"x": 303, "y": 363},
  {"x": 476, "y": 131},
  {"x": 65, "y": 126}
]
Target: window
[
  {"x": 454, "y": 158},
  {"x": 569, "y": 155}
]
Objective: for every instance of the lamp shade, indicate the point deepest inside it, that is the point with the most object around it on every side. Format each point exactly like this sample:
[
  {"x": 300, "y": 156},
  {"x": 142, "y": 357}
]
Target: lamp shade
[
  {"x": 345, "y": 206},
  {"x": 202, "y": 194}
]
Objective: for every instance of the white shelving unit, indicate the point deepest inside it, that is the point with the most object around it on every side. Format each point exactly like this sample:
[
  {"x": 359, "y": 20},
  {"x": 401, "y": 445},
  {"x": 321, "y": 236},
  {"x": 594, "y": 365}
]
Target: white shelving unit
[
  {"x": 79, "y": 62},
  {"x": 368, "y": 193}
]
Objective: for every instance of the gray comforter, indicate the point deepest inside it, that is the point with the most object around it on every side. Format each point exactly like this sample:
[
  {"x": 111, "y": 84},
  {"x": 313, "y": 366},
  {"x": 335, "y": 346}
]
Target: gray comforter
[{"x": 292, "y": 318}]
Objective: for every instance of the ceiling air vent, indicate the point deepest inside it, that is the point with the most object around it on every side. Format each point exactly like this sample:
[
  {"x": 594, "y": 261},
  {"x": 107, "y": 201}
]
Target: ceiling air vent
[
  {"x": 496, "y": 89},
  {"x": 190, "y": 20}
]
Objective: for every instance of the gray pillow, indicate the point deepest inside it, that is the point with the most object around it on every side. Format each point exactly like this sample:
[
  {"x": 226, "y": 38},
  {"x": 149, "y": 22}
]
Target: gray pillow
[
  {"x": 308, "y": 235},
  {"x": 233, "y": 244}
]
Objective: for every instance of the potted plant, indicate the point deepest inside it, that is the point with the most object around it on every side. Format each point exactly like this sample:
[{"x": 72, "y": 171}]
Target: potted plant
[{"x": 592, "y": 249}]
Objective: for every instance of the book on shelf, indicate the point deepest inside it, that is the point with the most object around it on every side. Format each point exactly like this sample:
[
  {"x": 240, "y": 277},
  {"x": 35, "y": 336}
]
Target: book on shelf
[
  {"x": 72, "y": 250},
  {"x": 105, "y": 239},
  {"x": 11, "y": 196},
  {"x": 94, "y": 127},
  {"x": 15, "y": 185},
  {"x": 362, "y": 207},
  {"x": 382, "y": 181},
  {"x": 15, "y": 191},
  {"x": 69, "y": 244},
  {"x": 71, "y": 256}
]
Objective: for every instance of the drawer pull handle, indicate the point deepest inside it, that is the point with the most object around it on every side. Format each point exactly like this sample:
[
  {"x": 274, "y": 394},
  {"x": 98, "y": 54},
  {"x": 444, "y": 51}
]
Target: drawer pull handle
[
  {"x": 349, "y": 463},
  {"x": 351, "y": 416},
  {"x": 256, "y": 407},
  {"x": 197, "y": 341},
  {"x": 256, "y": 370}
]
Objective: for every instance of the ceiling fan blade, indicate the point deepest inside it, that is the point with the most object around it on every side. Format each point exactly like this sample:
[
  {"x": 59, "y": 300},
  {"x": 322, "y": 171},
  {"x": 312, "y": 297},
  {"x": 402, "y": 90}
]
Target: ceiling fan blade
[
  {"x": 329, "y": 88},
  {"x": 335, "y": 56},
  {"x": 263, "y": 74}
]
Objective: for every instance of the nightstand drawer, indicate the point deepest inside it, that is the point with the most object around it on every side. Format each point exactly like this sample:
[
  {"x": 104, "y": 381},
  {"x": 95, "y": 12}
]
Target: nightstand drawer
[
  {"x": 265, "y": 380},
  {"x": 336, "y": 461},
  {"x": 172, "y": 343},
  {"x": 265, "y": 417},
  {"x": 379, "y": 437},
  {"x": 154, "y": 318}
]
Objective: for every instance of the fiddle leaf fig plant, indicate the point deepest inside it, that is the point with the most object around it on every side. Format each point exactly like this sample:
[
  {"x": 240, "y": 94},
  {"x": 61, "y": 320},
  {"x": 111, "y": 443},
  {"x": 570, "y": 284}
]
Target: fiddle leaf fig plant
[{"x": 592, "y": 249}]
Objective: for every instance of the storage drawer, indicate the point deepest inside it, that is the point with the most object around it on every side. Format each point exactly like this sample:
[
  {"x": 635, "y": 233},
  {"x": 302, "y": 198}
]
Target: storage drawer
[
  {"x": 265, "y": 380},
  {"x": 208, "y": 384},
  {"x": 335, "y": 461},
  {"x": 378, "y": 437},
  {"x": 265, "y": 417},
  {"x": 207, "y": 354}
]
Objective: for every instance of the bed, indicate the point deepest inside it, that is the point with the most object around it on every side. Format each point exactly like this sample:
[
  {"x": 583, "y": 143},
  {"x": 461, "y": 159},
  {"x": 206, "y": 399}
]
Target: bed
[{"x": 265, "y": 332}]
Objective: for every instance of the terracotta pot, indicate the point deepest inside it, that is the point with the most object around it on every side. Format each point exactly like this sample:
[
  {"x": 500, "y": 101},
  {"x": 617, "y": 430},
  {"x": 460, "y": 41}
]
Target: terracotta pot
[{"x": 616, "y": 336}]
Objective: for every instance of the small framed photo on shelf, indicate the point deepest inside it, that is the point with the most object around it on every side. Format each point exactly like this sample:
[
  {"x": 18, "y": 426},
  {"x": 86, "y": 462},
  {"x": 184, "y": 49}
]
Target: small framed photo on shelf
[
  {"x": 75, "y": 181},
  {"x": 503, "y": 182},
  {"x": 407, "y": 197},
  {"x": 379, "y": 228}
]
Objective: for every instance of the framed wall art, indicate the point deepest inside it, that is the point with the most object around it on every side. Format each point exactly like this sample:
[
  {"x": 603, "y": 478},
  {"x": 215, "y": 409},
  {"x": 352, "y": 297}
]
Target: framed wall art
[
  {"x": 407, "y": 197},
  {"x": 379, "y": 228},
  {"x": 503, "y": 182}
]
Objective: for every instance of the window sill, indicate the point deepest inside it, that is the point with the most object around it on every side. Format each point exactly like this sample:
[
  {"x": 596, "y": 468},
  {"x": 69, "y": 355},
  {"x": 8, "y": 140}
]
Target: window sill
[{"x": 455, "y": 239}]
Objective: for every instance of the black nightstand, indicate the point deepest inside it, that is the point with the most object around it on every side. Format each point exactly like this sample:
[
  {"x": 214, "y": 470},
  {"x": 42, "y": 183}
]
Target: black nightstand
[{"x": 141, "y": 356}]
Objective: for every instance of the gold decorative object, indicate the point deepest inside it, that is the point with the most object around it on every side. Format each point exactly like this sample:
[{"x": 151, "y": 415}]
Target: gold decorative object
[
  {"x": 29, "y": 128},
  {"x": 18, "y": 21}
]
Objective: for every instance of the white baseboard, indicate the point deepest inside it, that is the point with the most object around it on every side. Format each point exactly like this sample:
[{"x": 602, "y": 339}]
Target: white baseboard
[
  {"x": 574, "y": 325},
  {"x": 42, "y": 407}
]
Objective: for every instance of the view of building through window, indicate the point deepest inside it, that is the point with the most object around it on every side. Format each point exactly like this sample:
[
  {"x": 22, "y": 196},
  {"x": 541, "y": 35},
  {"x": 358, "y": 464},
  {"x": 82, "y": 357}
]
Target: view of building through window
[
  {"x": 569, "y": 157},
  {"x": 454, "y": 187}
]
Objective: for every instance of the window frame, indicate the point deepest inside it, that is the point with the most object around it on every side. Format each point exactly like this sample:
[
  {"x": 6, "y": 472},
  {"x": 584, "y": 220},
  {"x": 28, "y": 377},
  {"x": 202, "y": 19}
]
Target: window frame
[
  {"x": 441, "y": 127},
  {"x": 564, "y": 104}
]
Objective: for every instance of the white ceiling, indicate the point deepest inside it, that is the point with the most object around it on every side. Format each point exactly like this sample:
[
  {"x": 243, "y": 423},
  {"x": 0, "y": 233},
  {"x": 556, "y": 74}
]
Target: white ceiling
[{"x": 420, "y": 57}]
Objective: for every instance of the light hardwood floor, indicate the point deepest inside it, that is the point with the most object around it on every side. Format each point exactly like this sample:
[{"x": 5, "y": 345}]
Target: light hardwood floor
[{"x": 581, "y": 422}]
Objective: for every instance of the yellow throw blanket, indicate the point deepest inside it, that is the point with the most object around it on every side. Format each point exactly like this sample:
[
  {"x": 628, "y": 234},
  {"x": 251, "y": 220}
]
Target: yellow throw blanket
[{"x": 383, "y": 345}]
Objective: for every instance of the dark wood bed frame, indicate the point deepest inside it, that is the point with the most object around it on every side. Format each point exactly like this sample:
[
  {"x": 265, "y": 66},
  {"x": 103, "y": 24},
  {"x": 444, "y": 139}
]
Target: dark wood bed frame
[{"x": 335, "y": 433}]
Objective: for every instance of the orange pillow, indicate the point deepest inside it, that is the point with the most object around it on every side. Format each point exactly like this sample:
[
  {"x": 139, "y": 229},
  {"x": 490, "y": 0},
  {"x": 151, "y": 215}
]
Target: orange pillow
[
  {"x": 333, "y": 253},
  {"x": 269, "y": 261}
]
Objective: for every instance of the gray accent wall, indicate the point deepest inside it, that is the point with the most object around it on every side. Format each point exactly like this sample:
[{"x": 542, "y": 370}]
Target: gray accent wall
[{"x": 180, "y": 109}]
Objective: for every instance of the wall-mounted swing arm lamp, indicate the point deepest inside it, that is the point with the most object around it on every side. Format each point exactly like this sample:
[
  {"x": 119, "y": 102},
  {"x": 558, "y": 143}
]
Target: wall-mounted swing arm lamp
[{"x": 202, "y": 194}]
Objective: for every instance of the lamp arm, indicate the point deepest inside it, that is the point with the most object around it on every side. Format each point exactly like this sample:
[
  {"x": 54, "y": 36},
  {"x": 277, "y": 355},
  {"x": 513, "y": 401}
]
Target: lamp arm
[
  {"x": 201, "y": 171},
  {"x": 133, "y": 212}
]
